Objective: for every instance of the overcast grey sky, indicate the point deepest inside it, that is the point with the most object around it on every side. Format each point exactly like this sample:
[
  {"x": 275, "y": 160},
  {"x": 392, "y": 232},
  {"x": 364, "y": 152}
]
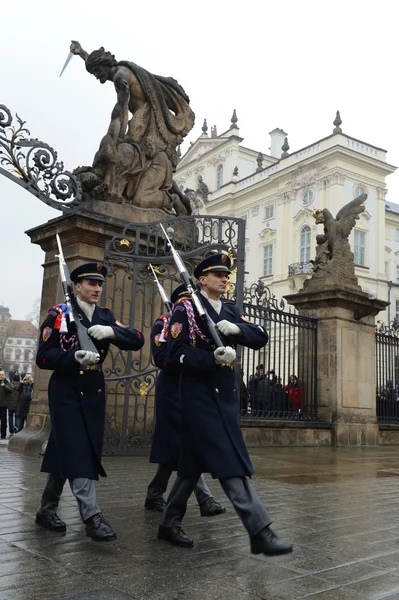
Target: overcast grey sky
[{"x": 279, "y": 64}]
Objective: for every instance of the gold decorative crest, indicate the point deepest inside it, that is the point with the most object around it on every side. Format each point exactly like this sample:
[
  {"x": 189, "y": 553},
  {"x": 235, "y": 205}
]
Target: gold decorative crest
[
  {"x": 144, "y": 388},
  {"x": 124, "y": 242}
]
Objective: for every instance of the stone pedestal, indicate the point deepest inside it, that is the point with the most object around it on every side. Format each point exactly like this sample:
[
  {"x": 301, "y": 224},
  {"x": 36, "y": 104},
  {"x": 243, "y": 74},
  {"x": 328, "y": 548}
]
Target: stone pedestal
[
  {"x": 83, "y": 238},
  {"x": 346, "y": 360}
]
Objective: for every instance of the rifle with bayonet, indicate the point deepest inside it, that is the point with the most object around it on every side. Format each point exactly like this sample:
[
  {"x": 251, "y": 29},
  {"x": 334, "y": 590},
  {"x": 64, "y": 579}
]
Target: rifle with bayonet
[
  {"x": 192, "y": 290},
  {"x": 85, "y": 341},
  {"x": 162, "y": 291}
]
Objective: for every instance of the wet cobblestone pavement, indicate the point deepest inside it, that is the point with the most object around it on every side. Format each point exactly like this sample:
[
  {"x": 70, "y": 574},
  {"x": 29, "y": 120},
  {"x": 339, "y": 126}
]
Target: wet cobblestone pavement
[{"x": 339, "y": 507}]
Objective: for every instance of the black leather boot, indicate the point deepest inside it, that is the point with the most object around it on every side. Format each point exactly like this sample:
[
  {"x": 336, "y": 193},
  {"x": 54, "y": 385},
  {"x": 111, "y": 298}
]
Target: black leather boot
[
  {"x": 99, "y": 530},
  {"x": 211, "y": 508},
  {"x": 156, "y": 504},
  {"x": 176, "y": 536},
  {"x": 52, "y": 522},
  {"x": 267, "y": 542}
]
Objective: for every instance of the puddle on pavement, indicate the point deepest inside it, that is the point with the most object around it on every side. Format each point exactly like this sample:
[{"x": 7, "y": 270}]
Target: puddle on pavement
[{"x": 330, "y": 477}]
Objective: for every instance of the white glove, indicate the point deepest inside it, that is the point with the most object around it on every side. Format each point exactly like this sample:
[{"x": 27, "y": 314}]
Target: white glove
[
  {"x": 224, "y": 355},
  {"x": 86, "y": 357},
  {"x": 101, "y": 332},
  {"x": 227, "y": 328}
]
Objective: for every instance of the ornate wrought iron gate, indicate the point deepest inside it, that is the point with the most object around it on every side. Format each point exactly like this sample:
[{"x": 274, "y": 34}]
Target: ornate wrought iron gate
[{"x": 130, "y": 292}]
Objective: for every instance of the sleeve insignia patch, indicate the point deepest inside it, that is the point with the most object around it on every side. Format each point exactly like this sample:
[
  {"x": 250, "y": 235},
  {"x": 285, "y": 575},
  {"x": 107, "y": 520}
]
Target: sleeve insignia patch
[
  {"x": 47, "y": 331},
  {"x": 156, "y": 339},
  {"x": 120, "y": 324},
  {"x": 176, "y": 329}
]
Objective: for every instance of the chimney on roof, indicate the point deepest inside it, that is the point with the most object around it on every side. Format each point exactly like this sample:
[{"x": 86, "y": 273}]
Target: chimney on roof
[{"x": 277, "y": 137}]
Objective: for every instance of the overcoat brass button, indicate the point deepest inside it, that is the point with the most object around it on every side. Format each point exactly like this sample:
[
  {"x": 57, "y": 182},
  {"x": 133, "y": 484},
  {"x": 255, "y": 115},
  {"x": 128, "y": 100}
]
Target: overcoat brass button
[
  {"x": 81, "y": 372},
  {"x": 81, "y": 393},
  {"x": 99, "y": 390},
  {"x": 102, "y": 351},
  {"x": 216, "y": 390}
]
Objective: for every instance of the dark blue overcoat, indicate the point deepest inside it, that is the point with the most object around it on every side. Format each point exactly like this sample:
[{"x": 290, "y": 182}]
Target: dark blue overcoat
[
  {"x": 211, "y": 438},
  {"x": 77, "y": 395},
  {"x": 166, "y": 439}
]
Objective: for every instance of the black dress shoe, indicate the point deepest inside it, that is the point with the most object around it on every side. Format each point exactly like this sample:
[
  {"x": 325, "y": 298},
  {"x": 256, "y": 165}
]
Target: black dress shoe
[
  {"x": 52, "y": 522},
  {"x": 176, "y": 536},
  {"x": 267, "y": 542},
  {"x": 157, "y": 504},
  {"x": 99, "y": 530},
  {"x": 211, "y": 508}
]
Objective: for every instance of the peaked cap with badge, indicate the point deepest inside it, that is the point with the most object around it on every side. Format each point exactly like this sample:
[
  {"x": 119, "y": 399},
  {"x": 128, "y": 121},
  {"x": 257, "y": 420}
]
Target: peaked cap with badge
[
  {"x": 178, "y": 293},
  {"x": 92, "y": 270},
  {"x": 216, "y": 263}
]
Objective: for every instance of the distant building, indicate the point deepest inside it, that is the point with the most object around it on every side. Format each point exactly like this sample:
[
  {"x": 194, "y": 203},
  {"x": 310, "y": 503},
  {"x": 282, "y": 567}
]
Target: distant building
[
  {"x": 5, "y": 317},
  {"x": 276, "y": 194},
  {"x": 20, "y": 347}
]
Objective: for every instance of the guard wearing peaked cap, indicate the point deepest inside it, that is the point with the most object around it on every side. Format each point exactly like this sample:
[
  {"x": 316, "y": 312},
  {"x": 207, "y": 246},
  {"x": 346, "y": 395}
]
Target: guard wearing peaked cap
[
  {"x": 77, "y": 399},
  {"x": 95, "y": 271},
  {"x": 165, "y": 445},
  {"x": 211, "y": 440},
  {"x": 216, "y": 263}
]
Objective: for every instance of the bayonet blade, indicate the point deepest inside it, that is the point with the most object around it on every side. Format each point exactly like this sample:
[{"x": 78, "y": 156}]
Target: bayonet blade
[{"x": 66, "y": 62}]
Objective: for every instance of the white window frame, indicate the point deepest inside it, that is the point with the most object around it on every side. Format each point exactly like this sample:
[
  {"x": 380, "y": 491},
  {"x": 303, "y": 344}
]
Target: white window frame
[
  {"x": 359, "y": 247},
  {"x": 268, "y": 207},
  {"x": 219, "y": 176},
  {"x": 305, "y": 248},
  {"x": 396, "y": 234},
  {"x": 306, "y": 193},
  {"x": 268, "y": 260}
]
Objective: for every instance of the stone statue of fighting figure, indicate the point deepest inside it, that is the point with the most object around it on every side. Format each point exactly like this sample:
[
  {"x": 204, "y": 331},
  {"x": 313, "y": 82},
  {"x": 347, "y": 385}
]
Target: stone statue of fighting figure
[{"x": 137, "y": 156}]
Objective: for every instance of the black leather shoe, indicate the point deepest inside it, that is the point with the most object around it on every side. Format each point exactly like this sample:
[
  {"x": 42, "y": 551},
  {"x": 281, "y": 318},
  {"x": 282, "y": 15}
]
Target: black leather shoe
[
  {"x": 267, "y": 542},
  {"x": 157, "y": 504},
  {"x": 176, "y": 536},
  {"x": 99, "y": 530},
  {"x": 211, "y": 508},
  {"x": 52, "y": 522}
]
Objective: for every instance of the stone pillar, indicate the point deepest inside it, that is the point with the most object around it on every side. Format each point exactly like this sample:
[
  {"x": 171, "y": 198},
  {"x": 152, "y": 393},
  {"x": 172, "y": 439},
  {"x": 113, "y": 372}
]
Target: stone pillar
[
  {"x": 83, "y": 236},
  {"x": 346, "y": 388}
]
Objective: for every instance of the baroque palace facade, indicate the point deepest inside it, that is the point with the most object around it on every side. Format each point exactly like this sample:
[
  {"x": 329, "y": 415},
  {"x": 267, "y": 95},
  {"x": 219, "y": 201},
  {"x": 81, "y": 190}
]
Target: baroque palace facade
[{"x": 277, "y": 193}]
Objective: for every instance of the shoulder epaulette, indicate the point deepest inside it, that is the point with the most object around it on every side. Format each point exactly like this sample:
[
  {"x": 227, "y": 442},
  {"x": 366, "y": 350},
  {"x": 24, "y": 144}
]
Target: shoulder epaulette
[
  {"x": 229, "y": 302},
  {"x": 105, "y": 308}
]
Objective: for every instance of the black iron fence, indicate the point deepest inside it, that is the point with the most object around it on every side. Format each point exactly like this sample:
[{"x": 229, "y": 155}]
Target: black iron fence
[
  {"x": 387, "y": 373},
  {"x": 278, "y": 381}
]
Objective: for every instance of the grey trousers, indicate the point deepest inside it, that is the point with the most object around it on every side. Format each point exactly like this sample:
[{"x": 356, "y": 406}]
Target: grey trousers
[
  {"x": 83, "y": 489},
  {"x": 159, "y": 483},
  {"x": 239, "y": 491}
]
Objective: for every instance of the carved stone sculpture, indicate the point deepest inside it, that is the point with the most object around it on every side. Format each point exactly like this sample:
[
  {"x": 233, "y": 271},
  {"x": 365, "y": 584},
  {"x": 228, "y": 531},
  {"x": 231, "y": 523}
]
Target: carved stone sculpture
[
  {"x": 334, "y": 261},
  {"x": 138, "y": 154}
]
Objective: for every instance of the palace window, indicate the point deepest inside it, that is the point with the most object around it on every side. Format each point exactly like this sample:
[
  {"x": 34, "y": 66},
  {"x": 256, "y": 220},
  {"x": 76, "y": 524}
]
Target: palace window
[
  {"x": 307, "y": 198},
  {"x": 396, "y": 235},
  {"x": 269, "y": 211},
  {"x": 359, "y": 191},
  {"x": 387, "y": 268},
  {"x": 397, "y": 309},
  {"x": 268, "y": 260},
  {"x": 360, "y": 248},
  {"x": 219, "y": 177},
  {"x": 306, "y": 235}
]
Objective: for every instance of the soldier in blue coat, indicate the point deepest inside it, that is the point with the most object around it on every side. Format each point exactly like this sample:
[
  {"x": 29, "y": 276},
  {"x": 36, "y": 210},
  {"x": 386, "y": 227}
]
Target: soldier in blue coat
[
  {"x": 211, "y": 438},
  {"x": 166, "y": 439},
  {"x": 77, "y": 400}
]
